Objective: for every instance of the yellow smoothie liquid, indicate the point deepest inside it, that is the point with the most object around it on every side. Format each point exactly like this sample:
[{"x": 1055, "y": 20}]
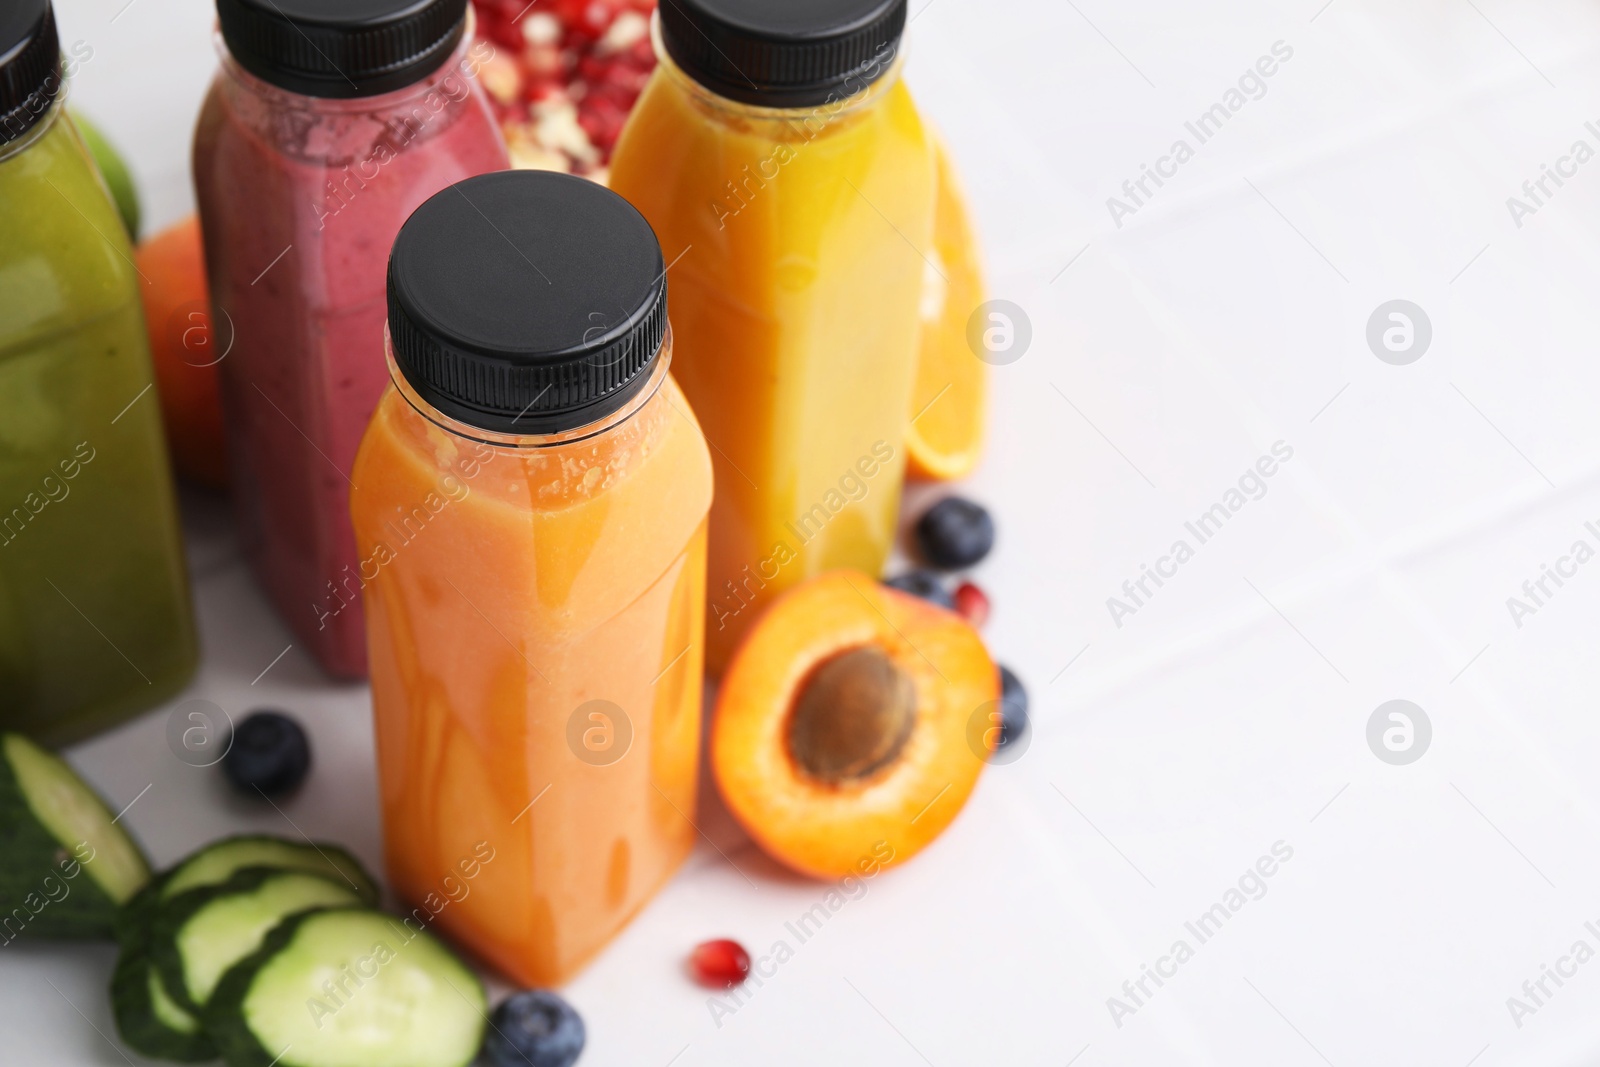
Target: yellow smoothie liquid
[
  {"x": 797, "y": 239},
  {"x": 535, "y": 603}
]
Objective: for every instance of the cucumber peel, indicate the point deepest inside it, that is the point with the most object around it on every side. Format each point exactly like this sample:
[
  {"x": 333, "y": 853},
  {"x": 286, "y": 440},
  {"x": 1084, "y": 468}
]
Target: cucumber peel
[
  {"x": 220, "y": 860},
  {"x": 149, "y": 1020},
  {"x": 66, "y": 867},
  {"x": 348, "y": 986}
]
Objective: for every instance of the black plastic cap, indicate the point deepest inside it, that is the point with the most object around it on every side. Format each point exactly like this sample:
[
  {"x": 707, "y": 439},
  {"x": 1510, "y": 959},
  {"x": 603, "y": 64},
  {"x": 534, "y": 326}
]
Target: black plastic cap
[
  {"x": 30, "y": 65},
  {"x": 793, "y": 53},
  {"x": 341, "y": 48},
  {"x": 527, "y": 302}
]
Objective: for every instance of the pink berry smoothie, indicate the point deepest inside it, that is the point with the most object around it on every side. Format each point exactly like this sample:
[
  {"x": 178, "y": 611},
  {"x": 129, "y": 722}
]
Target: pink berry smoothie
[{"x": 300, "y": 198}]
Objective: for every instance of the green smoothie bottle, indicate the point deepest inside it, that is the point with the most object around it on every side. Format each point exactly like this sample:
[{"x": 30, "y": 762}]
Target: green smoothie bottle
[{"x": 95, "y": 623}]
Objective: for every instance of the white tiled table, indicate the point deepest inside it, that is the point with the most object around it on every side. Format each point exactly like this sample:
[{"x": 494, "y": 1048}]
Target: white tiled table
[{"x": 1229, "y": 713}]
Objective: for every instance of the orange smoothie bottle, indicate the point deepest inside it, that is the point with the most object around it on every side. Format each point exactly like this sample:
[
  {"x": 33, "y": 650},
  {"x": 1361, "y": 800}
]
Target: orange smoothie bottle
[
  {"x": 530, "y": 506},
  {"x": 791, "y": 180}
]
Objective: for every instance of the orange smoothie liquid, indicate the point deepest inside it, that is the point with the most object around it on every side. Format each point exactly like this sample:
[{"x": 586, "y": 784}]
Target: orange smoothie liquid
[
  {"x": 802, "y": 235},
  {"x": 535, "y": 608}
]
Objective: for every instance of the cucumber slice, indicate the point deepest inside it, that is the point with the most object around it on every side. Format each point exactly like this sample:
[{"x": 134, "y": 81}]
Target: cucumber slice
[
  {"x": 149, "y": 1010},
  {"x": 169, "y": 1012},
  {"x": 54, "y": 831},
  {"x": 219, "y": 861},
  {"x": 348, "y": 987},
  {"x": 200, "y": 933},
  {"x": 147, "y": 1017},
  {"x": 150, "y": 1022}
]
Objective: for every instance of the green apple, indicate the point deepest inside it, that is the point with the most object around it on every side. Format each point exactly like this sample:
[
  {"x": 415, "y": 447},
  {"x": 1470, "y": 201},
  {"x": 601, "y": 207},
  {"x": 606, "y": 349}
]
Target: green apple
[{"x": 115, "y": 172}]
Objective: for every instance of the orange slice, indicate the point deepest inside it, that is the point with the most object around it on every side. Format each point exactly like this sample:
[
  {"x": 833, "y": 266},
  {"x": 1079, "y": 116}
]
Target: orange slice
[{"x": 945, "y": 435}]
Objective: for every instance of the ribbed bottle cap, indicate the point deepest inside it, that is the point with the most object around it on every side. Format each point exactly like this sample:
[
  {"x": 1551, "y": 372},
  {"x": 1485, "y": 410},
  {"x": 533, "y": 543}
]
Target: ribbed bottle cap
[
  {"x": 30, "y": 65},
  {"x": 527, "y": 302},
  {"x": 793, "y": 53},
  {"x": 341, "y": 48}
]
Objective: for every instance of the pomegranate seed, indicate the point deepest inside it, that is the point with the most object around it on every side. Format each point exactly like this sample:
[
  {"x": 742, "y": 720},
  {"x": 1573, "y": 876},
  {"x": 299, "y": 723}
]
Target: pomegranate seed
[
  {"x": 569, "y": 11},
  {"x": 627, "y": 28},
  {"x": 502, "y": 78},
  {"x": 543, "y": 90},
  {"x": 593, "y": 68},
  {"x": 542, "y": 30},
  {"x": 593, "y": 22},
  {"x": 602, "y": 120},
  {"x": 720, "y": 964},
  {"x": 626, "y": 82},
  {"x": 543, "y": 61},
  {"x": 502, "y": 32},
  {"x": 972, "y": 604}
]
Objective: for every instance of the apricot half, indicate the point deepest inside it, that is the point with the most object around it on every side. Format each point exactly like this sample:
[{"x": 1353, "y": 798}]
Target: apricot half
[{"x": 841, "y": 737}]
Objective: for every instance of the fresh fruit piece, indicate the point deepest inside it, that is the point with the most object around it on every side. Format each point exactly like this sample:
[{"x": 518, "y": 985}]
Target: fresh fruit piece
[
  {"x": 1013, "y": 707},
  {"x": 200, "y": 933},
  {"x": 148, "y": 1015},
  {"x": 840, "y": 733},
  {"x": 148, "y": 1019},
  {"x": 923, "y": 583},
  {"x": 564, "y": 76},
  {"x": 348, "y": 986},
  {"x": 218, "y": 862},
  {"x": 720, "y": 964},
  {"x": 185, "y": 350},
  {"x": 54, "y": 830},
  {"x": 944, "y": 437},
  {"x": 534, "y": 1028},
  {"x": 955, "y": 532},
  {"x": 115, "y": 172},
  {"x": 269, "y": 755},
  {"x": 972, "y": 604}
]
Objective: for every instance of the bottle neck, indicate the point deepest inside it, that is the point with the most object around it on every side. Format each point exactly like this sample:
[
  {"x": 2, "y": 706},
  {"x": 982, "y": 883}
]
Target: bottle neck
[
  {"x": 35, "y": 133},
  {"x": 451, "y": 79},
  {"x": 599, "y": 427},
  {"x": 863, "y": 91}
]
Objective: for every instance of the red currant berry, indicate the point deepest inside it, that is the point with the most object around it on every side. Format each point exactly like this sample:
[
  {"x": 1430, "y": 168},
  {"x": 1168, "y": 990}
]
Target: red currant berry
[
  {"x": 720, "y": 964},
  {"x": 972, "y": 604}
]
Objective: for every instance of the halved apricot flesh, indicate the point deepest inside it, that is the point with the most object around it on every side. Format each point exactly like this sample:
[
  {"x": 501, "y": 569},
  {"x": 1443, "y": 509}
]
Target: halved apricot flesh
[{"x": 841, "y": 739}]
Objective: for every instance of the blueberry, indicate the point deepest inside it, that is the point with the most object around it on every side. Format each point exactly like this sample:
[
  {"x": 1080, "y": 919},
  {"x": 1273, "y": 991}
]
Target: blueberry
[
  {"x": 1013, "y": 706},
  {"x": 955, "y": 533},
  {"x": 269, "y": 755},
  {"x": 533, "y": 1028},
  {"x": 923, "y": 583}
]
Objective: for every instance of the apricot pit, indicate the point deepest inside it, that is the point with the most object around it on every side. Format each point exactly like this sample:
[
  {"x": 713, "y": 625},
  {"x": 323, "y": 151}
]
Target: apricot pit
[{"x": 853, "y": 716}]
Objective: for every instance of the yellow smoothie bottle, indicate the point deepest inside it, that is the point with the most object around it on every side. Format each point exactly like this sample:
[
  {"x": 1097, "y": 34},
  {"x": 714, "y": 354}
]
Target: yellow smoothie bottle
[{"x": 784, "y": 166}]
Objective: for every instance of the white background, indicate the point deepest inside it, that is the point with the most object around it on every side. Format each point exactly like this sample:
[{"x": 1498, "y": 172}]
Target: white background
[{"x": 1230, "y": 712}]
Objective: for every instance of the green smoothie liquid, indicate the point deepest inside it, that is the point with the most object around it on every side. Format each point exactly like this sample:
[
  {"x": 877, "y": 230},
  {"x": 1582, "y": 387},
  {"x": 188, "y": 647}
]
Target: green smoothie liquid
[{"x": 95, "y": 623}]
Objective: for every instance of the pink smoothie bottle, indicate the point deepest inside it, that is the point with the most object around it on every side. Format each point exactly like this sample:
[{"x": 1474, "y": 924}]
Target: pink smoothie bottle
[{"x": 329, "y": 122}]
